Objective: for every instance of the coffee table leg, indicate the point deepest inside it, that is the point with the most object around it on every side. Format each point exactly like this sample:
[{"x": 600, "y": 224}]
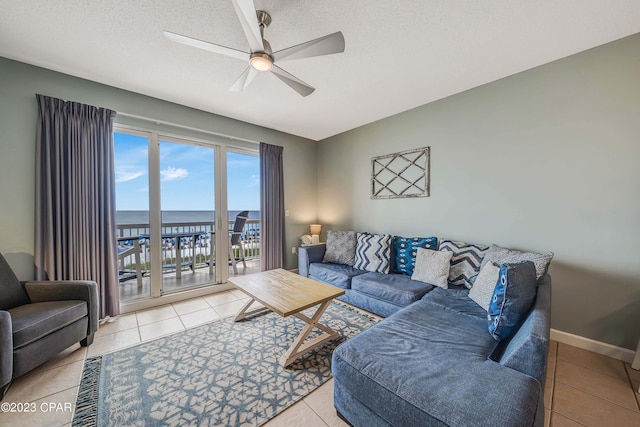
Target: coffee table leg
[
  {"x": 299, "y": 347},
  {"x": 245, "y": 312}
]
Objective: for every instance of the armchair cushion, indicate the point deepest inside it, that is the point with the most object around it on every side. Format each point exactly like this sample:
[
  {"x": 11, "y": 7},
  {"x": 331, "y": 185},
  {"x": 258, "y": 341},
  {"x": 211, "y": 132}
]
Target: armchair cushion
[
  {"x": 68, "y": 290},
  {"x": 33, "y": 321},
  {"x": 13, "y": 293}
]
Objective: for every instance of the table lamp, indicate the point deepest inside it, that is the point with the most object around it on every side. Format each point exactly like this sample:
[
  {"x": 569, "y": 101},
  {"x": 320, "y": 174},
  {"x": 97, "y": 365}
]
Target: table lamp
[{"x": 315, "y": 232}]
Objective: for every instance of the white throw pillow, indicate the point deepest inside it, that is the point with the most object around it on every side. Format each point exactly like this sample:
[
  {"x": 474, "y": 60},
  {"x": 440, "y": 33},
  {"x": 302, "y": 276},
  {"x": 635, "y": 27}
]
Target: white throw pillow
[
  {"x": 432, "y": 267},
  {"x": 485, "y": 284}
]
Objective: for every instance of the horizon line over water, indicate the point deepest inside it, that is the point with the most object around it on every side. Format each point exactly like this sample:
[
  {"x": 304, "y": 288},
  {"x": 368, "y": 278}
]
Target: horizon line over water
[{"x": 142, "y": 217}]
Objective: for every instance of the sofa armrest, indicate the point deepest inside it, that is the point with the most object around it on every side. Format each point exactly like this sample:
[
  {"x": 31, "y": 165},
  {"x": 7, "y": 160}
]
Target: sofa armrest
[
  {"x": 308, "y": 255},
  {"x": 62, "y": 290},
  {"x": 6, "y": 350},
  {"x": 526, "y": 350}
]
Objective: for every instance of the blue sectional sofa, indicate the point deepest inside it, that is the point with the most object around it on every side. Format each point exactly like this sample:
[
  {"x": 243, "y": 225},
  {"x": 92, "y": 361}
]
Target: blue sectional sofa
[
  {"x": 379, "y": 293},
  {"x": 432, "y": 361}
]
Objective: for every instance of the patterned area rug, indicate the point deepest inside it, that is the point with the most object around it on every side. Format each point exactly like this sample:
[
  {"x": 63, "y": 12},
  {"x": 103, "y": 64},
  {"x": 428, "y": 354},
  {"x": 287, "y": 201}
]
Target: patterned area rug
[{"x": 222, "y": 373}]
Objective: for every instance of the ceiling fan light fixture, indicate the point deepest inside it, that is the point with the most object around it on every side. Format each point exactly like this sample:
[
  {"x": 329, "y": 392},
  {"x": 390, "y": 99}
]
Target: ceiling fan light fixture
[
  {"x": 261, "y": 61},
  {"x": 261, "y": 56}
]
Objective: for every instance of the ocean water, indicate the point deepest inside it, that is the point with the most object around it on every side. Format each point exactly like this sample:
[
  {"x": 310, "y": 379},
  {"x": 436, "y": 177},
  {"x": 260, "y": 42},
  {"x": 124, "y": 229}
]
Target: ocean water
[{"x": 142, "y": 217}]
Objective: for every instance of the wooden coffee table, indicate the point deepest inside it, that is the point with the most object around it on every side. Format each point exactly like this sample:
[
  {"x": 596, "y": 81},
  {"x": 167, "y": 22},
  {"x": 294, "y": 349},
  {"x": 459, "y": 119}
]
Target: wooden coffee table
[{"x": 287, "y": 294}]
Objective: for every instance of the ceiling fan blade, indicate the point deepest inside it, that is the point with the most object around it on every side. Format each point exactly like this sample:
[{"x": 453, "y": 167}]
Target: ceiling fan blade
[
  {"x": 333, "y": 43},
  {"x": 215, "y": 48},
  {"x": 246, "y": 12},
  {"x": 293, "y": 82},
  {"x": 243, "y": 81}
]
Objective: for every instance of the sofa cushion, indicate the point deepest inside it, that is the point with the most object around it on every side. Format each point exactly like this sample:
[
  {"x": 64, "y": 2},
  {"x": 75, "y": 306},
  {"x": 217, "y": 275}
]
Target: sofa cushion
[
  {"x": 432, "y": 363},
  {"x": 376, "y": 306},
  {"x": 405, "y": 250},
  {"x": 31, "y": 322},
  {"x": 456, "y": 299},
  {"x": 373, "y": 252},
  {"x": 512, "y": 298},
  {"x": 499, "y": 255},
  {"x": 485, "y": 284},
  {"x": 338, "y": 275},
  {"x": 465, "y": 262},
  {"x": 397, "y": 289},
  {"x": 341, "y": 247},
  {"x": 432, "y": 267}
]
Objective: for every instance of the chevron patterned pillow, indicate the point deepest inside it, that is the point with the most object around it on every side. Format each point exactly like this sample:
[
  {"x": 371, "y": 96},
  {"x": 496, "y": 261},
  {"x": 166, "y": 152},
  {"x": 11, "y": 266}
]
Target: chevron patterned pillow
[
  {"x": 373, "y": 252},
  {"x": 465, "y": 261}
]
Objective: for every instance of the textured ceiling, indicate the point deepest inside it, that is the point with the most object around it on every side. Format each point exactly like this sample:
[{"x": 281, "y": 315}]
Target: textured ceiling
[{"x": 399, "y": 55}]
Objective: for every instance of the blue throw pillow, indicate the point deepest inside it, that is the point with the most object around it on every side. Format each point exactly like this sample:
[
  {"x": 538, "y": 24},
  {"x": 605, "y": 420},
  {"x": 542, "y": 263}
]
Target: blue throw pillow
[
  {"x": 405, "y": 250},
  {"x": 512, "y": 298}
]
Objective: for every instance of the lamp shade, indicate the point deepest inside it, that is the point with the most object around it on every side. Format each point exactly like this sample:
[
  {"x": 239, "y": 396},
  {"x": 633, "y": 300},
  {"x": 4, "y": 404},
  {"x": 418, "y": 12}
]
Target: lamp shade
[{"x": 315, "y": 229}]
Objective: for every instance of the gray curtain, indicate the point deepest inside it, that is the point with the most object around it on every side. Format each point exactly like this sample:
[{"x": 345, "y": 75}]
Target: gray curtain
[
  {"x": 75, "y": 197},
  {"x": 272, "y": 252}
]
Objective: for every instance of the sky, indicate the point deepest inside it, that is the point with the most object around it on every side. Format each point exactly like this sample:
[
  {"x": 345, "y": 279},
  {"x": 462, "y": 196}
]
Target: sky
[{"x": 186, "y": 176}]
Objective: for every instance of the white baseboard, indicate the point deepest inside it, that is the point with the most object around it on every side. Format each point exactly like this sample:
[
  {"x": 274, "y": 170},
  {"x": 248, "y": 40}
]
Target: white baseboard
[{"x": 605, "y": 349}]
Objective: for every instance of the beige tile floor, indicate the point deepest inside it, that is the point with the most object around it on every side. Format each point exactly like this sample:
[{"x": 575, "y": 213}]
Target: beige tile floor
[{"x": 582, "y": 388}]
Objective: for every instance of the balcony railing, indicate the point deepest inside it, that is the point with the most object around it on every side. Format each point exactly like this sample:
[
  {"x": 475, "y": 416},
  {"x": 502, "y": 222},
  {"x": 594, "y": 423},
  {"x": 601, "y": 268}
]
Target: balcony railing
[{"x": 195, "y": 241}]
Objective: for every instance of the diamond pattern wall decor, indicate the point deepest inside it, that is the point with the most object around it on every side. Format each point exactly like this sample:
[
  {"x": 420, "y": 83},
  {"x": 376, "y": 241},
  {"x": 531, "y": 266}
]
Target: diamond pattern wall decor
[{"x": 404, "y": 174}]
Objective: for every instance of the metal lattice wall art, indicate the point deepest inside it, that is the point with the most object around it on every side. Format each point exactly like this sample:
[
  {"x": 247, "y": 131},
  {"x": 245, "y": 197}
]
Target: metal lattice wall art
[{"x": 404, "y": 174}]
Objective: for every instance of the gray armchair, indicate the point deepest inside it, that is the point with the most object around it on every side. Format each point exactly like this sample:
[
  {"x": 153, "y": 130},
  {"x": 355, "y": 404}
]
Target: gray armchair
[{"x": 40, "y": 319}]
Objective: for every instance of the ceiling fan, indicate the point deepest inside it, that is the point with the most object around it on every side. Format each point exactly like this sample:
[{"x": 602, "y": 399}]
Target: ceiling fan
[{"x": 261, "y": 58}]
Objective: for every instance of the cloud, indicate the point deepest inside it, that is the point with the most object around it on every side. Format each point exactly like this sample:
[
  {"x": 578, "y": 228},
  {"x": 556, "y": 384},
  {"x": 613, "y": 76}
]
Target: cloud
[
  {"x": 253, "y": 181},
  {"x": 171, "y": 173},
  {"x": 124, "y": 176}
]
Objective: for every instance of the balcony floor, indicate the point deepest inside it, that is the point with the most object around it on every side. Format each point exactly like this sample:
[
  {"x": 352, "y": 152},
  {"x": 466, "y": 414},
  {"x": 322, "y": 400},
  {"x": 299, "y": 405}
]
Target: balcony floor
[{"x": 130, "y": 291}]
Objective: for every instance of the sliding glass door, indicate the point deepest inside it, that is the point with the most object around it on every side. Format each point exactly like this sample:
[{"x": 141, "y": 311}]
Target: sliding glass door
[
  {"x": 187, "y": 203},
  {"x": 132, "y": 215},
  {"x": 166, "y": 211},
  {"x": 187, "y": 212},
  {"x": 243, "y": 200}
]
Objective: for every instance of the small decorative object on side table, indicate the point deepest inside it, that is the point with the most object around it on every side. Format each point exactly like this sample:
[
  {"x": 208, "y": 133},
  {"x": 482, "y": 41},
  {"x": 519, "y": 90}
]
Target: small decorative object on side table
[{"x": 315, "y": 233}]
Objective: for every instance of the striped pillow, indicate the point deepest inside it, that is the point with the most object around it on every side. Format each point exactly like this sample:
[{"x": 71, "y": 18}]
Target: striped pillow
[
  {"x": 373, "y": 252},
  {"x": 465, "y": 262}
]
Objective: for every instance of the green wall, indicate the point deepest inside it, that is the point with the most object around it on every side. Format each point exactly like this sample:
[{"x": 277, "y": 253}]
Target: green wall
[
  {"x": 545, "y": 160},
  {"x": 18, "y": 85}
]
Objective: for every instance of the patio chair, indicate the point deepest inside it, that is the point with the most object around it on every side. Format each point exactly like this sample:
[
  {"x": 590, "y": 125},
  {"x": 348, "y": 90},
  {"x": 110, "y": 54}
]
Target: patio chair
[
  {"x": 40, "y": 319},
  {"x": 124, "y": 251},
  {"x": 235, "y": 239}
]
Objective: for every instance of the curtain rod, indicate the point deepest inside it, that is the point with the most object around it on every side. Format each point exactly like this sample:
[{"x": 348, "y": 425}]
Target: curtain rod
[{"x": 164, "y": 122}]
